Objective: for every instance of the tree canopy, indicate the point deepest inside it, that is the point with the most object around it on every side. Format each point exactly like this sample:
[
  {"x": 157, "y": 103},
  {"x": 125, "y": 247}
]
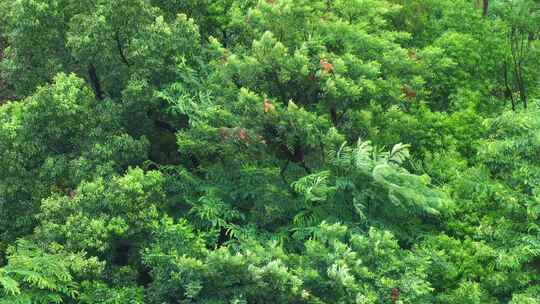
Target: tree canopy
[{"x": 270, "y": 151}]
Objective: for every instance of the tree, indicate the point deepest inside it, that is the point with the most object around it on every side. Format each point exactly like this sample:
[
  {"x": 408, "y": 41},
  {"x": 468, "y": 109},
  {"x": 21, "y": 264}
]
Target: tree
[
  {"x": 51, "y": 142},
  {"x": 269, "y": 151},
  {"x": 523, "y": 22}
]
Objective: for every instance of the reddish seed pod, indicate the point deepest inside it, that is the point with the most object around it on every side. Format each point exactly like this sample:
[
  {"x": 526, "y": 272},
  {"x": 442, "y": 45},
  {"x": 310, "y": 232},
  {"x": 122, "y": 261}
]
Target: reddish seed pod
[
  {"x": 243, "y": 135},
  {"x": 224, "y": 58},
  {"x": 326, "y": 66},
  {"x": 268, "y": 106},
  {"x": 408, "y": 91},
  {"x": 395, "y": 295}
]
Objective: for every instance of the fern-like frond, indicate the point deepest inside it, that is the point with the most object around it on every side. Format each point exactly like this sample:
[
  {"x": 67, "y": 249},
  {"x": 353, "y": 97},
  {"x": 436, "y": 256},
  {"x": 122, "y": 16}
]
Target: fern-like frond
[
  {"x": 363, "y": 157},
  {"x": 314, "y": 187},
  {"x": 399, "y": 153}
]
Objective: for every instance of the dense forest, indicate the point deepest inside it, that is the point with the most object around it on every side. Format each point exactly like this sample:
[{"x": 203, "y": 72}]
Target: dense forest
[{"x": 270, "y": 151}]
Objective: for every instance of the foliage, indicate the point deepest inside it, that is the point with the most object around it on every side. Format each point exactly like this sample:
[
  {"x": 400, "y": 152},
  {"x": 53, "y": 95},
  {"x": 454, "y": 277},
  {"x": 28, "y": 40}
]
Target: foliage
[
  {"x": 269, "y": 151},
  {"x": 34, "y": 275}
]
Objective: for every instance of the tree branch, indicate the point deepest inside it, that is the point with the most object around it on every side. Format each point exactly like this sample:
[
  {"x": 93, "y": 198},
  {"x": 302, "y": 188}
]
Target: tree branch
[{"x": 120, "y": 49}]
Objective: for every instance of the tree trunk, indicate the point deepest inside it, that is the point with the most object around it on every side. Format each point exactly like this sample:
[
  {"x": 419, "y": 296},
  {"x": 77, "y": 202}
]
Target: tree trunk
[
  {"x": 485, "y": 8},
  {"x": 94, "y": 81},
  {"x": 508, "y": 91},
  {"x": 523, "y": 92},
  {"x": 334, "y": 116},
  {"x": 2, "y": 47},
  {"x": 484, "y": 5}
]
